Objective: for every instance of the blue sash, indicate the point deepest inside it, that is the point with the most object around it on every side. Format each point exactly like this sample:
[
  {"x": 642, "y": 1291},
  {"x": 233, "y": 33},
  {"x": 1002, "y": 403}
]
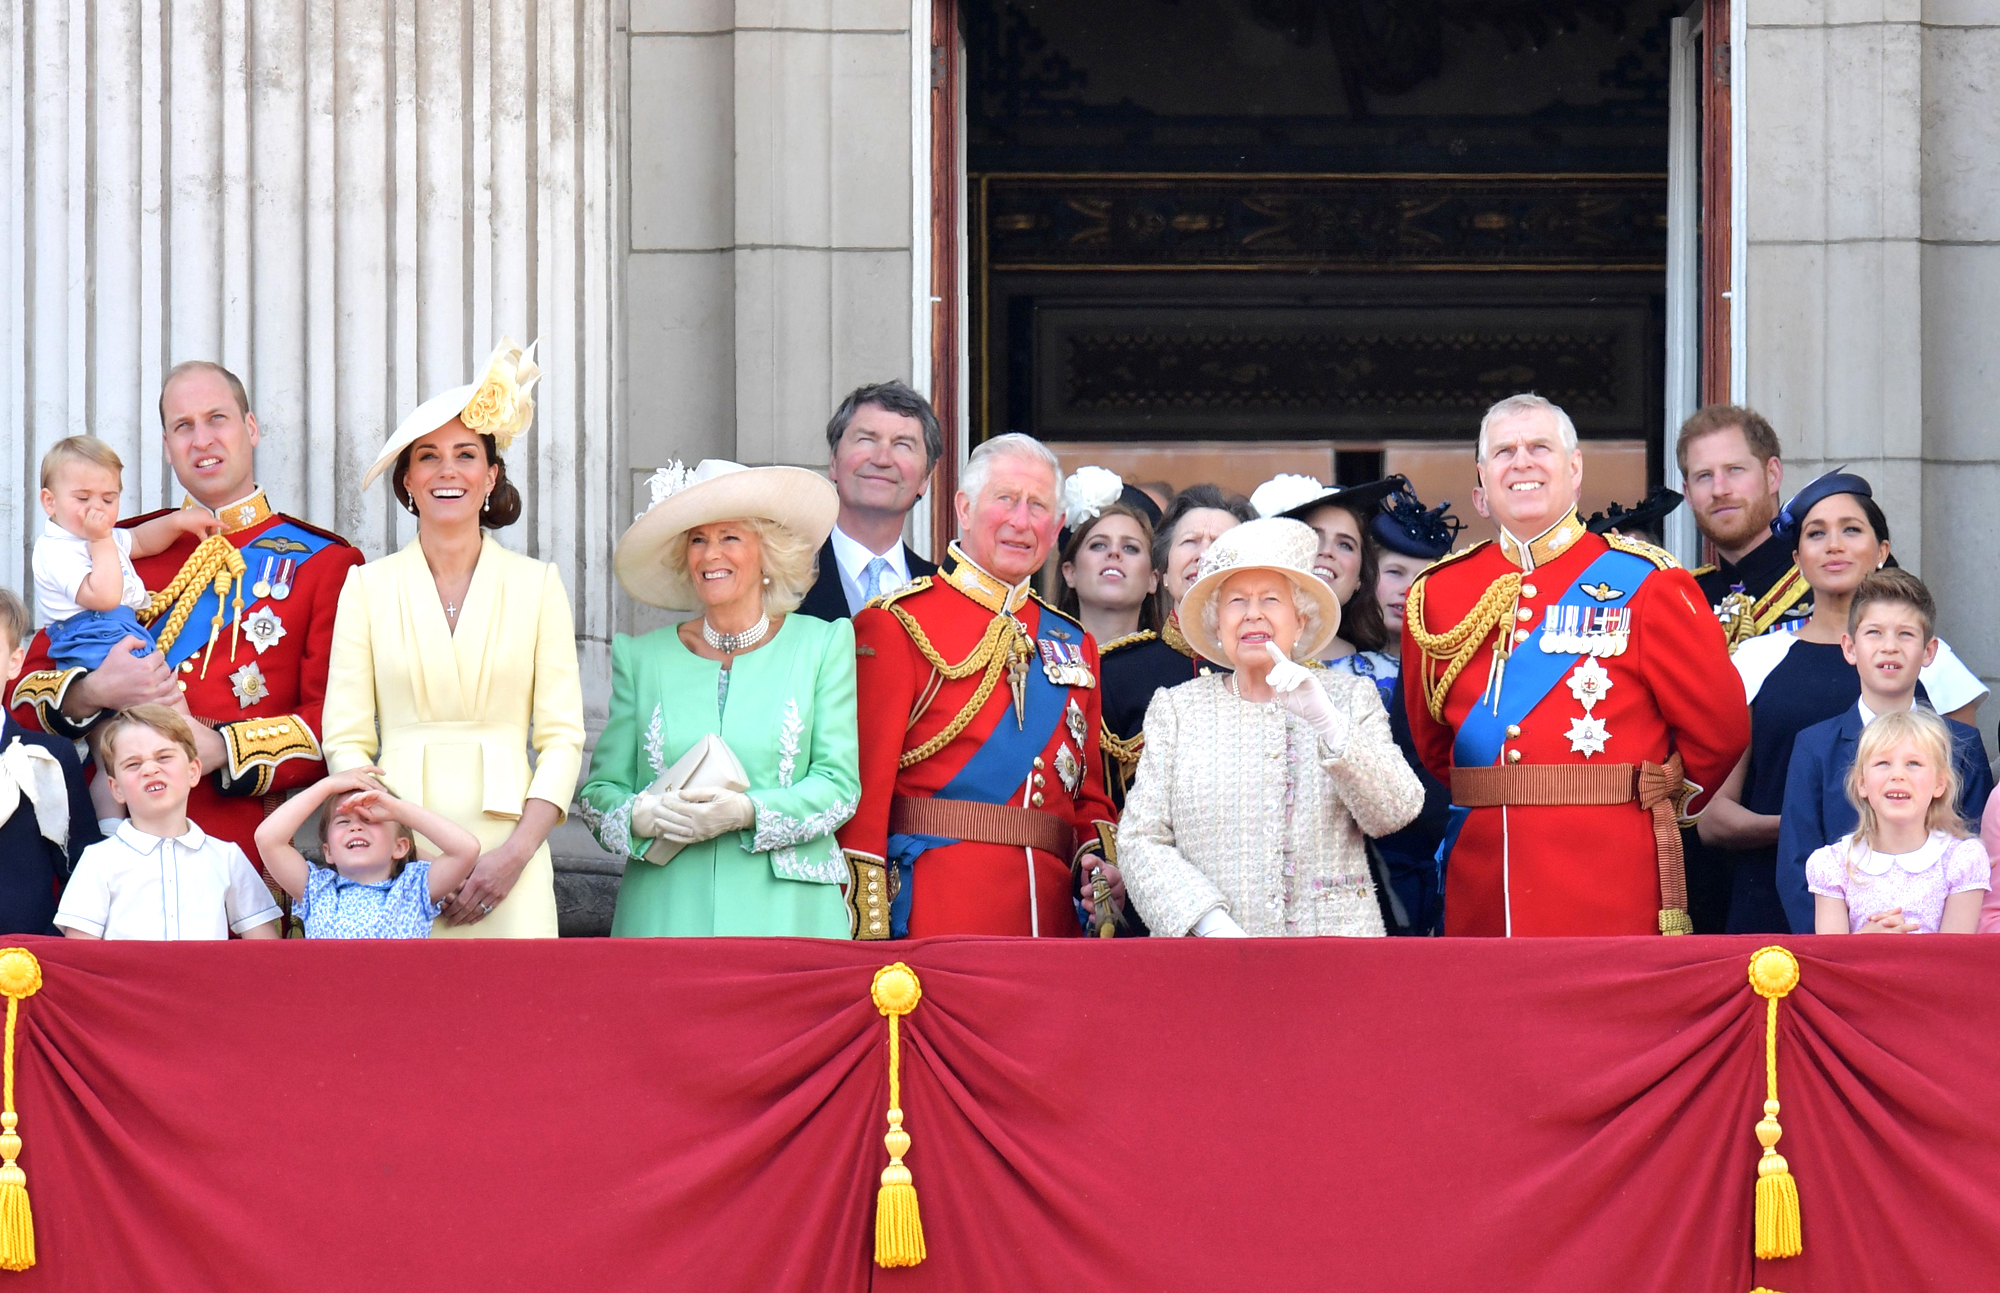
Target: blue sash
[
  {"x": 281, "y": 540},
  {"x": 993, "y": 773},
  {"x": 1532, "y": 674}
]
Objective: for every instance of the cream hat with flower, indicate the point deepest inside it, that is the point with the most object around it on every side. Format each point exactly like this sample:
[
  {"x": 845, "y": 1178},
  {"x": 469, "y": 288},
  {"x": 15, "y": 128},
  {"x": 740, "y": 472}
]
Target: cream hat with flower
[
  {"x": 1278, "y": 544},
  {"x": 802, "y": 501},
  {"x": 499, "y": 403}
]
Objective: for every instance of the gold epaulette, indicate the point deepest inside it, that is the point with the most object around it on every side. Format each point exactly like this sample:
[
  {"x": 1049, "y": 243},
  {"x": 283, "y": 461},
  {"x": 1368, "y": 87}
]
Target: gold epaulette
[
  {"x": 1450, "y": 557},
  {"x": 1660, "y": 557},
  {"x": 1128, "y": 640},
  {"x": 889, "y": 599},
  {"x": 1056, "y": 611},
  {"x": 1699, "y": 571}
]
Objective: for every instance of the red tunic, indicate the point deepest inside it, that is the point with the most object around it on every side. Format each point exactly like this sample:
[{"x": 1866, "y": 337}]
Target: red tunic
[
  {"x": 972, "y": 887},
  {"x": 1577, "y": 869},
  {"x": 273, "y": 741}
]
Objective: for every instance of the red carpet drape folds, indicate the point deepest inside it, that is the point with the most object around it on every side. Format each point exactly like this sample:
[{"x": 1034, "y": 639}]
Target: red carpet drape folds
[{"x": 606, "y": 1115}]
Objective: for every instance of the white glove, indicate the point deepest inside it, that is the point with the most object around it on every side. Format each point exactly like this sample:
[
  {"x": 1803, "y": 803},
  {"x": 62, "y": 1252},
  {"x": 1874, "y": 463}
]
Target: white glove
[
  {"x": 646, "y": 815},
  {"x": 1217, "y": 923},
  {"x": 1300, "y": 692},
  {"x": 689, "y": 816}
]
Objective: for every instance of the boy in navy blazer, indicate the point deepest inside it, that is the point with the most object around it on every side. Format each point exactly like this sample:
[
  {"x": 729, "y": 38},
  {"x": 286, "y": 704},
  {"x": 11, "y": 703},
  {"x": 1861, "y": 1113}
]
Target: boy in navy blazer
[
  {"x": 1890, "y": 636},
  {"x": 46, "y": 819}
]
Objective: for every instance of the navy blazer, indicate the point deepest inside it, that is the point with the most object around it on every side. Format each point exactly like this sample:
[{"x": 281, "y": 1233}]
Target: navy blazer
[
  {"x": 1816, "y": 809},
  {"x": 827, "y": 600},
  {"x": 31, "y": 867}
]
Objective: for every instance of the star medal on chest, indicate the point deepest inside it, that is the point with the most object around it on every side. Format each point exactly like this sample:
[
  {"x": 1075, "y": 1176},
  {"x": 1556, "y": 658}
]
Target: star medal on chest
[
  {"x": 1073, "y": 717},
  {"x": 1069, "y": 768},
  {"x": 262, "y": 588},
  {"x": 1588, "y": 683},
  {"x": 264, "y": 629},
  {"x": 249, "y": 685}
]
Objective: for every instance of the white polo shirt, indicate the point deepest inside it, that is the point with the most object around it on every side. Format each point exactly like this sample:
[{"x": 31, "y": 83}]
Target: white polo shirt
[{"x": 135, "y": 885}]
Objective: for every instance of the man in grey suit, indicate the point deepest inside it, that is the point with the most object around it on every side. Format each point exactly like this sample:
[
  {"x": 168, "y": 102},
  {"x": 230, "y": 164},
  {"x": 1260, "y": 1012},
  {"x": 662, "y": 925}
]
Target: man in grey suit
[{"x": 883, "y": 441}]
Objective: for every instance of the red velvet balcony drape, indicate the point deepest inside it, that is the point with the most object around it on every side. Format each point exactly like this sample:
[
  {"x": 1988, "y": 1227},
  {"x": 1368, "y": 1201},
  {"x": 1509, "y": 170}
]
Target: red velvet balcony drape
[{"x": 1437, "y": 1115}]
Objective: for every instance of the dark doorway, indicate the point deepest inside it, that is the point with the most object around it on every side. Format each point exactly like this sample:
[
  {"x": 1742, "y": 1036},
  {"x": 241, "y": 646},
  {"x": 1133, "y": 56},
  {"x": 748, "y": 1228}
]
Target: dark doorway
[{"x": 1217, "y": 239}]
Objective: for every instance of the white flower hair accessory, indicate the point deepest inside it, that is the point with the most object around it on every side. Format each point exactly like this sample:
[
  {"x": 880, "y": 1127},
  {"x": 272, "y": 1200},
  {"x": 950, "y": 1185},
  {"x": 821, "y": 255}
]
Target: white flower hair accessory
[
  {"x": 1087, "y": 492},
  {"x": 1285, "y": 491},
  {"x": 664, "y": 483}
]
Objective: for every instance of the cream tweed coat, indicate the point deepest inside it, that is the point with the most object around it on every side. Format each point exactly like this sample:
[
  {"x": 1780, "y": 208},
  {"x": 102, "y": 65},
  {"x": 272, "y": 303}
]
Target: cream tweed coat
[{"x": 1240, "y": 805}]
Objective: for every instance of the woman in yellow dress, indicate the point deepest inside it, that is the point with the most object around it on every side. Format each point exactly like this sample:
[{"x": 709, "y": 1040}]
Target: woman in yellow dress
[{"x": 465, "y": 654}]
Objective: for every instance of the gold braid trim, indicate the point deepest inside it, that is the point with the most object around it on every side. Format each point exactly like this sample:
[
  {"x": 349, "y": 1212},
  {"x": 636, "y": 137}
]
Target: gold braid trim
[
  {"x": 1125, "y": 752},
  {"x": 215, "y": 563},
  {"x": 1004, "y": 642},
  {"x": 1455, "y": 647}
]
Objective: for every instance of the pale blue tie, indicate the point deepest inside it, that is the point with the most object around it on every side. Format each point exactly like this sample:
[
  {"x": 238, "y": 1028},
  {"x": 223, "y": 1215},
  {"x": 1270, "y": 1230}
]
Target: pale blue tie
[{"x": 874, "y": 576}]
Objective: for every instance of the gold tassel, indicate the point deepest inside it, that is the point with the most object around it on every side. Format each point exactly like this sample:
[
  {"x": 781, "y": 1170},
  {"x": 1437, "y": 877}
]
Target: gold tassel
[
  {"x": 899, "y": 1229},
  {"x": 1773, "y": 973},
  {"x": 20, "y": 978}
]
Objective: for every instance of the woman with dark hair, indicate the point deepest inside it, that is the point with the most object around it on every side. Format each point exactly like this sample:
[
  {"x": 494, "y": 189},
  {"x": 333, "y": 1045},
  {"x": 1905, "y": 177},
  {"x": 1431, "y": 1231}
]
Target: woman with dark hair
[
  {"x": 1109, "y": 585},
  {"x": 1346, "y": 561},
  {"x": 1794, "y": 679},
  {"x": 1198, "y": 515},
  {"x": 451, "y": 657}
]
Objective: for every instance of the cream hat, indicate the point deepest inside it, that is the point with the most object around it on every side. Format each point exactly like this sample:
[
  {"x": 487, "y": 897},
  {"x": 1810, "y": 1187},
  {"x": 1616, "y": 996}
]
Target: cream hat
[
  {"x": 1278, "y": 544},
  {"x": 802, "y": 501},
  {"x": 499, "y": 402}
]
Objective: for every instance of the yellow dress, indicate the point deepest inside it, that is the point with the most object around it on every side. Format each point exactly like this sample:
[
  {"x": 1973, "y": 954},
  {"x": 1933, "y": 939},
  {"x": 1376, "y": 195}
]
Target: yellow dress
[{"x": 457, "y": 712}]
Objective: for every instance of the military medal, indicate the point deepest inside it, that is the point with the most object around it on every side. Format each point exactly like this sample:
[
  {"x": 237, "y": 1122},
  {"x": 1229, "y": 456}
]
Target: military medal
[
  {"x": 1073, "y": 716},
  {"x": 264, "y": 627},
  {"x": 1587, "y": 736},
  {"x": 1588, "y": 683},
  {"x": 249, "y": 685},
  {"x": 282, "y": 589},
  {"x": 262, "y": 588},
  {"x": 1069, "y": 768}
]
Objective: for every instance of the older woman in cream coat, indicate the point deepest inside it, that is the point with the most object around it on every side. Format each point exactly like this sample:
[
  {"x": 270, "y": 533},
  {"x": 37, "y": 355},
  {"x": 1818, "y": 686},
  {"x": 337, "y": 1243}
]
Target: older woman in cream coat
[
  {"x": 1256, "y": 788},
  {"x": 464, "y": 653}
]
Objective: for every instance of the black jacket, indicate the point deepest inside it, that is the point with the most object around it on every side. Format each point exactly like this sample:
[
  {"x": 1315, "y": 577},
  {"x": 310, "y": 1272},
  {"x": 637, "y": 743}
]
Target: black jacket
[{"x": 828, "y": 601}]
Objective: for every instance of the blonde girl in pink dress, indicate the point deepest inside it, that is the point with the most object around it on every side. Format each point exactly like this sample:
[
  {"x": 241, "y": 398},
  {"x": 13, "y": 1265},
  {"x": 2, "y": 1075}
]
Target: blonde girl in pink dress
[{"x": 1909, "y": 867}]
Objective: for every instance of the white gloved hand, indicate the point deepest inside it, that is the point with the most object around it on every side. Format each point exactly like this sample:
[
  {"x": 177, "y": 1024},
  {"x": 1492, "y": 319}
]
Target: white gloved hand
[
  {"x": 646, "y": 815},
  {"x": 1217, "y": 923},
  {"x": 1299, "y": 692},
  {"x": 690, "y": 816}
]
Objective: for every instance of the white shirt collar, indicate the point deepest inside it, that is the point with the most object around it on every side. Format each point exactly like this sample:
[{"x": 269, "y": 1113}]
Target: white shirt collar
[
  {"x": 140, "y": 842},
  {"x": 854, "y": 557},
  {"x": 1915, "y": 863},
  {"x": 1867, "y": 715},
  {"x": 53, "y": 531}
]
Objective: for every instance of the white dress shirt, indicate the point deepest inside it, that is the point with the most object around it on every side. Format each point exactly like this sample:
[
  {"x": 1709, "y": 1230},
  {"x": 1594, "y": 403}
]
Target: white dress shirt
[
  {"x": 853, "y": 558},
  {"x": 61, "y": 564},
  {"x": 136, "y": 885}
]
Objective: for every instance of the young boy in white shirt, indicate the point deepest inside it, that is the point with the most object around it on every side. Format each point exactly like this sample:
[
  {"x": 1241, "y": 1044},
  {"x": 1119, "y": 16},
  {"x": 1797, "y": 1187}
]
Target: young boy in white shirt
[{"x": 160, "y": 876}]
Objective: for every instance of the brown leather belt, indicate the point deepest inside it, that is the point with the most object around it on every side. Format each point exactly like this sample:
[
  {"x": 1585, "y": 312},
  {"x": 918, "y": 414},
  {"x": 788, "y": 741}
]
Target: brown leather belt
[
  {"x": 1657, "y": 787},
  {"x": 961, "y": 819}
]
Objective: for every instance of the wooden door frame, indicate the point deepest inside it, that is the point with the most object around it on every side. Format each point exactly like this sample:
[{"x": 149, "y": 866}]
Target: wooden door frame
[
  {"x": 947, "y": 213},
  {"x": 1717, "y": 207}
]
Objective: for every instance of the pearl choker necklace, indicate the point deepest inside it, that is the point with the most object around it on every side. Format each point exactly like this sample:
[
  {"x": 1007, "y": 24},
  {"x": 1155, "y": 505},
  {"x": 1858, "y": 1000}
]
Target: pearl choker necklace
[{"x": 732, "y": 643}]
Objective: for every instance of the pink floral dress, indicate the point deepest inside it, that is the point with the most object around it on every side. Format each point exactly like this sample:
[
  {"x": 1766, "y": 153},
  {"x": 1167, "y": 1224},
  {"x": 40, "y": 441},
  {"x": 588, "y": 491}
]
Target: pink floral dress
[{"x": 1871, "y": 883}]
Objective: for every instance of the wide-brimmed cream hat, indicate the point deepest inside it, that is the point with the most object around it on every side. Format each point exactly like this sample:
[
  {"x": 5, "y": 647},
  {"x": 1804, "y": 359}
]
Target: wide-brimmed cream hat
[
  {"x": 499, "y": 402},
  {"x": 1278, "y": 544},
  {"x": 802, "y": 501}
]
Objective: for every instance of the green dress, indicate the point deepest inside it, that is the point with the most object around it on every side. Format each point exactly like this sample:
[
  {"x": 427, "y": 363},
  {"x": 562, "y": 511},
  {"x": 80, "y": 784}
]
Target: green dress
[{"x": 788, "y": 715}]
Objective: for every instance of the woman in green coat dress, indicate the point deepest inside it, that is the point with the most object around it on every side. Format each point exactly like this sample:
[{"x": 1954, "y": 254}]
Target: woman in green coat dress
[{"x": 738, "y": 544}]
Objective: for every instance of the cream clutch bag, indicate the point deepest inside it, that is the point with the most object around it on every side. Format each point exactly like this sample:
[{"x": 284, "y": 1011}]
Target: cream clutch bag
[{"x": 708, "y": 765}]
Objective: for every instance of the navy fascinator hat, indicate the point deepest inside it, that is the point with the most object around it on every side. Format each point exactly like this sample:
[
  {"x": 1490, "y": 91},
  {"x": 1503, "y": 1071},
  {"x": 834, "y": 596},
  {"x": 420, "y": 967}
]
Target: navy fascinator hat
[
  {"x": 1792, "y": 515},
  {"x": 1403, "y": 524}
]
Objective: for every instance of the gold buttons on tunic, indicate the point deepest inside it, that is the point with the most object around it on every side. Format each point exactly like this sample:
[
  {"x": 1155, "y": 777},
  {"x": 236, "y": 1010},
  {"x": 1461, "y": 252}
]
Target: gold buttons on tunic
[
  {"x": 1036, "y": 799},
  {"x": 1524, "y": 615},
  {"x": 1039, "y": 765},
  {"x": 1513, "y": 729},
  {"x": 1040, "y": 781},
  {"x": 1520, "y": 635},
  {"x": 183, "y": 686},
  {"x": 1527, "y": 590},
  {"x": 187, "y": 666},
  {"x": 1513, "y": 756}
]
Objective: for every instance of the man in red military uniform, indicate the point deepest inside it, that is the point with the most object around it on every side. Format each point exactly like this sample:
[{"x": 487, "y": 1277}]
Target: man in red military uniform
[
  {"x": 1575, "y": 693},
  {"x": 982, "y": 798},
  {"x": 245, "y": 635}
]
